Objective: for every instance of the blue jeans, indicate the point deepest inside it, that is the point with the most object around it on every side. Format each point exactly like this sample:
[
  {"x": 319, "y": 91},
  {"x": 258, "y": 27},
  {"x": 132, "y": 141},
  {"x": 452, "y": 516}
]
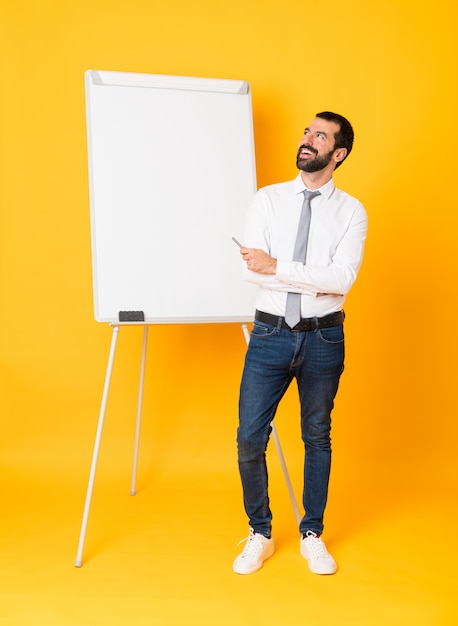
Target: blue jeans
[{"x": 275, "y": 356}]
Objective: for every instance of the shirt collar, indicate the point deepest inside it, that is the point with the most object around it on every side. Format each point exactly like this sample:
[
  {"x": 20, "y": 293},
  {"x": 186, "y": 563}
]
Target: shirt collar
[{"x": 325, "y": 190}]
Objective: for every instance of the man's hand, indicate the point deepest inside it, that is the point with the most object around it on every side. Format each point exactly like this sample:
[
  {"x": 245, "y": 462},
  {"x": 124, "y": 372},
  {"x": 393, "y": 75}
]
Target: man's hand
[{"x": 259, "y": 261}]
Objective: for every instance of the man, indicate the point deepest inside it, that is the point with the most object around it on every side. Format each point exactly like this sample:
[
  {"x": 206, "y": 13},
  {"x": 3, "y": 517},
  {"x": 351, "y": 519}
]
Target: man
[{"x": 311, "y": 347}]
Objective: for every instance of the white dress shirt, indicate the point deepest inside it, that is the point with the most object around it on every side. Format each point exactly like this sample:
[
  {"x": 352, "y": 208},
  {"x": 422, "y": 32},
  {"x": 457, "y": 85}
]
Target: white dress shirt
[{"x": 335, "y": 246}]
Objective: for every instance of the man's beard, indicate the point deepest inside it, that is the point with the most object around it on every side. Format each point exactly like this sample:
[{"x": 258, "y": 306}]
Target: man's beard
[{"x": 313, "y": 165}]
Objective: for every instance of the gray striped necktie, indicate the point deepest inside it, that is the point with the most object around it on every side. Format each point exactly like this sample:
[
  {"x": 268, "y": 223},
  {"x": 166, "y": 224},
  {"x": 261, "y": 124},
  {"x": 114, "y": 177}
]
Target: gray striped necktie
[{"x": 293, "y": 301}]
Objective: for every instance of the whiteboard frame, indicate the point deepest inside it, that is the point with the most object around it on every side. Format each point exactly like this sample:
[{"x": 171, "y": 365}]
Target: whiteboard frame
[{"x": 243, "y": 177}]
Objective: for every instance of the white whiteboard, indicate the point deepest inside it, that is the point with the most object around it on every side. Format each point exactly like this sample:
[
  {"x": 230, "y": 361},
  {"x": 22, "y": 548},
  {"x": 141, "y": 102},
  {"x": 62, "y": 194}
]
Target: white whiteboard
[{"x": 171, "y": 173}]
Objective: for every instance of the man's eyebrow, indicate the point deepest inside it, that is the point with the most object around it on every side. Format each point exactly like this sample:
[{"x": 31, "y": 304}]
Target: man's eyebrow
[{"x": 318, "y": 132}]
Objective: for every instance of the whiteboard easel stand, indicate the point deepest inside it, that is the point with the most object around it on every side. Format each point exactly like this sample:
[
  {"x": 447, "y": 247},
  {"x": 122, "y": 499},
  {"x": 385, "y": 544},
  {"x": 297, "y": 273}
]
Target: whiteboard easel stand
[
  {"x": 133, "y": 489},
  {"x": 95, "y": 454},
  {"x": 98, "y": 438}
]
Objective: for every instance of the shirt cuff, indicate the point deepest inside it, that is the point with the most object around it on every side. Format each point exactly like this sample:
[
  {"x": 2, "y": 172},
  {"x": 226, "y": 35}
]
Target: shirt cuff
[{"x": 283, "y": 272}]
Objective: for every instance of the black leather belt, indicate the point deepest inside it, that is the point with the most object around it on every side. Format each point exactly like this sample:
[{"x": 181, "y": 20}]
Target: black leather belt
[{"x": 306, "y": 324}]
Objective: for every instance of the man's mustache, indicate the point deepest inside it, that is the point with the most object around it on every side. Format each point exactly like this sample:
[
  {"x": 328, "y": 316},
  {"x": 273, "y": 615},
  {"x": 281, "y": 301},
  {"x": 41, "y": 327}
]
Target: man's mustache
[{"x": 308, "y": 147}]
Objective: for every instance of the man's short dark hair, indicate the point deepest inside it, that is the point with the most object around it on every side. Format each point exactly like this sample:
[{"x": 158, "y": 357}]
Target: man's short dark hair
[{"x": 344, "y": 138}]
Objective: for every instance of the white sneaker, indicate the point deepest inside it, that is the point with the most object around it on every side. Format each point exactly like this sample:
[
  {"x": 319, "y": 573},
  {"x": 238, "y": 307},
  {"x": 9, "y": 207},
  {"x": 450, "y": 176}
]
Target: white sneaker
[
  {"x": 314, "y": 550},
  {"x": 257, "y": 549}
]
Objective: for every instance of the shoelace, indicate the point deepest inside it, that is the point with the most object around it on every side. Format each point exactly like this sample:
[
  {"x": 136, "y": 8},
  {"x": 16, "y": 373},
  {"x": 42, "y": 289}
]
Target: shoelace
[
  {"x": 253, "y": 545},
  {"x": 315, "y": 545}
]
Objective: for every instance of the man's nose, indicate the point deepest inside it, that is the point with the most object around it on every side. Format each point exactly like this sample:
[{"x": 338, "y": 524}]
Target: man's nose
[{"x": 307, "y": 141}]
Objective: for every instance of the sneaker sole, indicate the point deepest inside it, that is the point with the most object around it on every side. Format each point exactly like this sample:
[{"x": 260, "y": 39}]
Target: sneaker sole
[{"x": 321, "y": 572}]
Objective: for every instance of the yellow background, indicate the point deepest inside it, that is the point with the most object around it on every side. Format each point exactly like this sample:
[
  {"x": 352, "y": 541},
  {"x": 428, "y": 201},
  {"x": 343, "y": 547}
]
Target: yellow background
[{"x": 165, "y": 556}]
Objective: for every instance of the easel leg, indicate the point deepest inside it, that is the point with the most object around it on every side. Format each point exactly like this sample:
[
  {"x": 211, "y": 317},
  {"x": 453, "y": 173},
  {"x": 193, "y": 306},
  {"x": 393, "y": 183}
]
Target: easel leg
[
  {"x": 280, "y": 451},
  {"x": 95, "y": 454},
  {"x": 133, "y": 489}
]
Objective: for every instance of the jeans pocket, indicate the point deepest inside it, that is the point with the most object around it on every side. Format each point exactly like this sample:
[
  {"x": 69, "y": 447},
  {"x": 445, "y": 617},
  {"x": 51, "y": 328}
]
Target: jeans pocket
[
  {"x": 260, "y": 329},
  {"x": 335, "y": 334}
]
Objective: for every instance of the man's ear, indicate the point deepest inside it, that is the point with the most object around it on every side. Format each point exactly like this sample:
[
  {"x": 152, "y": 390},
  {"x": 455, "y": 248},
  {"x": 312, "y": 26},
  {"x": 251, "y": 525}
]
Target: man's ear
[{"x": 340, "y": 154}]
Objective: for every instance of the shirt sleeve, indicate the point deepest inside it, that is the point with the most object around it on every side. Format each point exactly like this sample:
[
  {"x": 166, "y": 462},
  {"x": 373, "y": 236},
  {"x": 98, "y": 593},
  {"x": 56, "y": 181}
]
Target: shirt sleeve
[
  {"x": 338, "y": 276},
  {"x": 257, "y": 235}
]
